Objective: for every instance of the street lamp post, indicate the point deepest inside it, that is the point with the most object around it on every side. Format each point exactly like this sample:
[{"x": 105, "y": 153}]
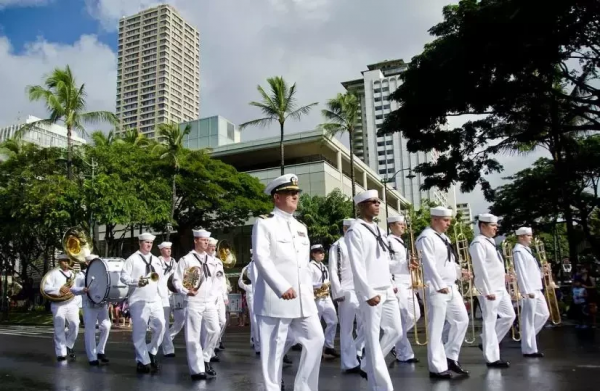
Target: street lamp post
[
  {"x": 93, "y": 165},
  {"x": 385, "y": 181}
]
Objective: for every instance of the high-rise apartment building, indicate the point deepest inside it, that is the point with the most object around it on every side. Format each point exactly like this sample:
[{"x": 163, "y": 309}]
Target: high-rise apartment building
[
  {"x": 158, "y": 71},
  {"x": 465, "y": 212},
  {"x": 388, "y": 155}
]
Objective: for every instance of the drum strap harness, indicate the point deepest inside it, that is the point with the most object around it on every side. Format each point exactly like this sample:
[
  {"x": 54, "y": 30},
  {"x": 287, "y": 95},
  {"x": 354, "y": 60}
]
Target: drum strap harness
[
  {"x": 149, "y": 267},
  {"x": 205, "y": 268}
]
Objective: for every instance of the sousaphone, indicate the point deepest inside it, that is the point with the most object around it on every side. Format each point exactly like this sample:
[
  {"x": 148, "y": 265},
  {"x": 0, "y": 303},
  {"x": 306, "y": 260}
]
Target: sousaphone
[{"x": 226, "y": 254}]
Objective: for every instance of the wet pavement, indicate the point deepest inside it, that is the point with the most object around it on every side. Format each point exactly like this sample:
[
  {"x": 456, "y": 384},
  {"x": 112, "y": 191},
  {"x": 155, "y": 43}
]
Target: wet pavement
[{"x": 27, "y": 362}]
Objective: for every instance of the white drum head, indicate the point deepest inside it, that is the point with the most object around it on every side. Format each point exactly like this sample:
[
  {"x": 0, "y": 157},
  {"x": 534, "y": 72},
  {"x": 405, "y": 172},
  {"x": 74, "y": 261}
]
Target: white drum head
[{"x": 97, "y": 281}]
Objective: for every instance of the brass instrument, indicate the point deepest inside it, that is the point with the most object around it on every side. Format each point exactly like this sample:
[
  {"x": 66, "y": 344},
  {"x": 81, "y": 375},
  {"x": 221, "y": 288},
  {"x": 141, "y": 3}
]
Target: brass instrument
[
  {"x": 464, "y": 259},
  {"x": 417, "y": 278},
  {"x": 76, "y": 245},
  {"x": 150, "y": 277},
  {"x": 512, "y": 286},
  {"x": 192, "y": 278},
  {"x": 323, "y": 291},
  {"x": 245, "y": 277},
  {"x": 549, "y": 284},
  {"x": 226, "y": 254}
]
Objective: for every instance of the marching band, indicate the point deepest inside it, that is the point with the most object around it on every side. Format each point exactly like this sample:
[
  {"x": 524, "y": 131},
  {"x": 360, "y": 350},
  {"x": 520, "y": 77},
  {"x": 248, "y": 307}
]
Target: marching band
[{"x": 372, "y": 280}]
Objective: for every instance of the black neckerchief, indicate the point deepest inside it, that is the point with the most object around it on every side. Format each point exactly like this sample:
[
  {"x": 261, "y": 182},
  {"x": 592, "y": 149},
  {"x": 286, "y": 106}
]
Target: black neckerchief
[
  {"x": 64, "y": 275},
  {"x": 204, "y": 265},
  {"x": 149, "y": 267},
  {"x": 534, "y": 257},
  {"x": 451, "y": 250},
  {"x": 385, "y": 247},
  {"x": 324, "y": 273},
  {"x": 490, "y": 241},
  {"x": 403, "y": 245},
  {"x": 168, "y": 267}
]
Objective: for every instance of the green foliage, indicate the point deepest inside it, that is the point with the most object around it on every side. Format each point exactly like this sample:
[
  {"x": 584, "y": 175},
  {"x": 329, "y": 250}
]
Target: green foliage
[{"x": 324, "y": 216}]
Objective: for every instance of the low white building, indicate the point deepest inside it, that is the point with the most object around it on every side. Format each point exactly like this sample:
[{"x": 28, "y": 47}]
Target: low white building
[{"x": 43, "y": 135}]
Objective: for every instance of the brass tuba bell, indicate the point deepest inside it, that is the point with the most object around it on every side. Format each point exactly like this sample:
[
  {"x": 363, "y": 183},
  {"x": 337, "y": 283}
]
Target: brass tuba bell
[
  {"x": 226, "y": 254},
  {"x": 77, "y": 244}
]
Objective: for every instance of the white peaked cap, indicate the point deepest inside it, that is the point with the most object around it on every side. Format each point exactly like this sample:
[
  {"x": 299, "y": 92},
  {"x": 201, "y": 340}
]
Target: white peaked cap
[
  {"x": 91, "y": 257},
  {"x": 316, "y": 247},
  {"x": 348, "y": 222},
  {"x": 440, "y": 211},
  {"x": 165, "y": 245},
  {"x": 62, "y": 257},
  {"x": 365, "y": 195},
  {"x": 213, "y": 241},
  {"x": 396, "y": 219},
  {"x": 284, "y": 182},
  {"x": 146, "y": 236},
  {"x": 488, "y": 218},
  {"x": 201, "y": 233},
  {"x": 524, "y": 231}
]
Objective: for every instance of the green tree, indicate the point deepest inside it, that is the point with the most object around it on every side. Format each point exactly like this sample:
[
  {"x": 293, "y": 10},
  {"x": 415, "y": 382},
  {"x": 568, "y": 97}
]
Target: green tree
[
  {"x": 278, "y": 106},
  {"x": 324, "y": 216},
  {"x": 342, "y": 114},
  {"x": 66, "y": 102},
  {"x": 527, "y": 88}
]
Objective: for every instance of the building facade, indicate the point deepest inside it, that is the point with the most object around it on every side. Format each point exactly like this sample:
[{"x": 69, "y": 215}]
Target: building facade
[
  {"x": 465, "y": 212},
  {"x": 388, "y": 155},
  {"x": 43, "y": 135},
  {"x": 210, "y": 132},
  {"x": 158, "y": 77}
]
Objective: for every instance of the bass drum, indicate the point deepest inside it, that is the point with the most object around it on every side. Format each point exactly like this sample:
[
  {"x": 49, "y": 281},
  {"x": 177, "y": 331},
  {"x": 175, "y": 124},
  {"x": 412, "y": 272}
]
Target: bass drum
[{"x": 103, "y": 279}]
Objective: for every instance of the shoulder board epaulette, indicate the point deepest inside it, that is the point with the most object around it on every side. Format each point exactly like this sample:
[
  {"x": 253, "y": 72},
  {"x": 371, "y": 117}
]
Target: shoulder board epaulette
[{"x": 266, "y": 216}]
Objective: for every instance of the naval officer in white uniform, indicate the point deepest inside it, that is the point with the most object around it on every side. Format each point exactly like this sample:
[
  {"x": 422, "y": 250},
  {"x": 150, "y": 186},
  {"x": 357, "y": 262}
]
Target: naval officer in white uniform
[
  {"x": 342, "y": 292},
  {"x": 490, "y": 282},
  {"x": 445, "y": 303},
  {"x": 145, "y": 302},
  {"x": 534, "y": 312},
  {"x": 168, "y": 266},
  {"x": 370, "y": 259},
  {"x": 410, "y": 312},
  {"x": 283, "y": 295}
]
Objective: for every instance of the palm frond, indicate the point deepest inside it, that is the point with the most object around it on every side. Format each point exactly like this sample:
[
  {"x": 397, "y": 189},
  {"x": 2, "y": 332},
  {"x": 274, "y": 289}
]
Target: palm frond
[
  {"x": 262, "y": 122},
  {"x": 304, "y": 110}
]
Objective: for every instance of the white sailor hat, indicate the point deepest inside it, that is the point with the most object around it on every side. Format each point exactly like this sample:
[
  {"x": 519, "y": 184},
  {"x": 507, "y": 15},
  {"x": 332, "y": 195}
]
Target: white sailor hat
[
  {"x": 396, "y": 219},
  {"x": 348, "y": 222},
  {"x": 201, "y": 233},
  {"x": 91, "y": 257},
  {"x": 487, "y": 218},
  {"x": 524, "y": 231},
  {"x": 317, "y": 247},
  {"x": 62, "y": 257},
  {"x": 365, "y": 195},
  {"x": 165, "y": 245},
  {"x": 284, "y": 182},
  {"x": 146, "y": 237},
  {"x": 212, "y": 241},
  {"x": 440, "y": 211}
]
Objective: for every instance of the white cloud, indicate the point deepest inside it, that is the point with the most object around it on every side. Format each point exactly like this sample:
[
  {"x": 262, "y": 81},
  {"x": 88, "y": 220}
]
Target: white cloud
[{"x": 22, "y": 3}]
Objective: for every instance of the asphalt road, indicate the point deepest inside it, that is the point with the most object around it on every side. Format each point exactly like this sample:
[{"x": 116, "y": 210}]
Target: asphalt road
[{"x": 27, "y": 362}]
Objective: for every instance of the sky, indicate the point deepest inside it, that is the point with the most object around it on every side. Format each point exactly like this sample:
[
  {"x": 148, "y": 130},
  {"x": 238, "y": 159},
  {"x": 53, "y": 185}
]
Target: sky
[{"x": 315, "y": 43}]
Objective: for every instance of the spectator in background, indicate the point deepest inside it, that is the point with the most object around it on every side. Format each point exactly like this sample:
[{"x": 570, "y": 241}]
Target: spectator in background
[
  {"x": 579, "y": 302},
  {"x": 589, "y": 283}
]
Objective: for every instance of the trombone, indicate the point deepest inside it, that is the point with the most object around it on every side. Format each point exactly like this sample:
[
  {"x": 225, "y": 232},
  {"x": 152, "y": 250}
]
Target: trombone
[
  {"x": 549, "y": 284},
  {"x": 511, "y": 286},
  {"x": 464, "y": 259},
  {"x": 417, "y": 278}
]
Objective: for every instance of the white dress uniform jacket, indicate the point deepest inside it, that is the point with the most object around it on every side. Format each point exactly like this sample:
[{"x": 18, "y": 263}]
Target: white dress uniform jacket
[
  {"x": 63, "y": 313},
  {"x": 92, "y": 314},
  {"x": 410, "y": 312},
  {"x": 370, "y": 259},
  {"x": 490, "y": 279},
  {"x": 145, "y": 304},
  {"x": 281, "y": 251},
  {"x": 441, "y": 271},
  {"x": 325, "y": 306},
  {"x": 534, "y": 314}
]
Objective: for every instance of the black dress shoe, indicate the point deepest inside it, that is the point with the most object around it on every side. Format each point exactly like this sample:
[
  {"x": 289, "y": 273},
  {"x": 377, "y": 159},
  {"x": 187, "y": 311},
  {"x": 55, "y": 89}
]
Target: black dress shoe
[
  {"x": 257, "y": 353},
  {"x": 534, "y": 355},
  {"x": 409, "y": 361},
  {"x": 141, "y": 368},
  {"x": 480, "y": 346},
  {"x": 61, "y": 358},
  {"x": 363, "y": 374},
  {"x": 199, "y": 376},
  {"x": 95, "y": 363},
  {"x": 170, "y": 355},
  {"x": 441, "y": 375},
  {"x": 331, "y": 352},
  {"x": 215, "y": 358},
  {"x": 455, "y": 367},
  {"x": 103, "y": 359},
  {"x": 209, "y": 369},
  {"x": 498, "y": 364},
  {"x": 356, "y": 369},
  {"x": 282, "y": 385},
  {"x": 221, "y": 346},
  {"x": 153, "y": 362},
  {"x": 70, "y": 353},
  {"x": 287, "y": 360}
]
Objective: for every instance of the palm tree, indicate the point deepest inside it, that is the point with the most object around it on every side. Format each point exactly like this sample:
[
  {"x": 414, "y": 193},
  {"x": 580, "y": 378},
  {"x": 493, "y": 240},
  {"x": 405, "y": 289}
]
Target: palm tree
[
  {"x": 279, "y": 106},
  {"x": 171, "y": 147},
  {"x": 65, "y": 102},
  {"x": 342, "y": 115},
  {"x": 134, "y": 137},
  {"x": 101, "y": 139}
]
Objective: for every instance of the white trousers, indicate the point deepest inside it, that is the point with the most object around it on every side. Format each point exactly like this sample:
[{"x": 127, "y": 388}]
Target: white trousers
[
  {"x": 167, "y": 342},
  {"x": 349, "y": 346},
  {"x": 254, "y": 327},
  {"x": 385, "y": 317},
  {"x": 534, "y": 315},
  {"x": 443, "y": 308},
  {"x": 196, "y": 317},
  {"x": 222, "y": 314},
  {"x": 498, "y": 317},
  {"x": 273, "y": 336},
  {"x": 410, "y": 313},
  {"x": 327, "y": 313},
  {"x": 65, "y": 315},
  {"x": 142, "y": 315},
  {"x": 91, "y": 315}
]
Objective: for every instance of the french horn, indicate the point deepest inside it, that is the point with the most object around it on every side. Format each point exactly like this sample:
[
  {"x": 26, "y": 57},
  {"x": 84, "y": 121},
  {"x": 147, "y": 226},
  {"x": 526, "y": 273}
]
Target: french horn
[
  {"x": 226, "y": 254},
  {"x": 193, "y": 277}
]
